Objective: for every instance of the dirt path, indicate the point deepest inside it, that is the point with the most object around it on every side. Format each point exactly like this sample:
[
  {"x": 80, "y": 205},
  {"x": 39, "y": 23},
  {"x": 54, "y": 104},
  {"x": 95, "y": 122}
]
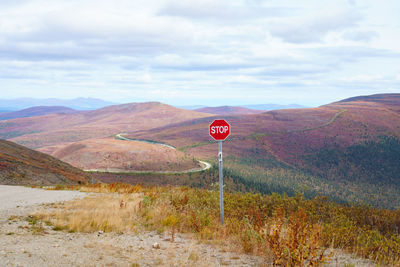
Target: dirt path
[
  {"x": 18, "y": 196},
  {"x": 332, "y": 120},
  {"x": 205, "y": 166}
]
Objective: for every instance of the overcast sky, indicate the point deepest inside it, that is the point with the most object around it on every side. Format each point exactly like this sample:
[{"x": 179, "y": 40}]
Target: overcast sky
[{"x": 200, "y": 52}]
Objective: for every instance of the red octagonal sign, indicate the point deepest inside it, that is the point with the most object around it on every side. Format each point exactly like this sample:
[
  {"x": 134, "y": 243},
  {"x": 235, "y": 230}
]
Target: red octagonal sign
[{"x": 219, "y": 130}]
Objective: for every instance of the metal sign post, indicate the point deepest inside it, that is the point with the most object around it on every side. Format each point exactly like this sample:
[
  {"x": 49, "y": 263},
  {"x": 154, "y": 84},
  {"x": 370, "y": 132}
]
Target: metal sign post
[
  {"x": 219, "y": 130},
  {"x": 221, "y": 184}
]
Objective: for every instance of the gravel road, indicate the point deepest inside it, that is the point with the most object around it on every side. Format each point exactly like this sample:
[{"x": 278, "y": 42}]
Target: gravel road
[{"x": 18, "y": 196}]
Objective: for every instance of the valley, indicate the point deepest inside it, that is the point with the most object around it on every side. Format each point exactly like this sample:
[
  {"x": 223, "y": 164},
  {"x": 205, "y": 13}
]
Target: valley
[
  {"x": 199, "y": 133},
  {"x": 338, "y": 163},
  {"x": 346, "y": 150}
]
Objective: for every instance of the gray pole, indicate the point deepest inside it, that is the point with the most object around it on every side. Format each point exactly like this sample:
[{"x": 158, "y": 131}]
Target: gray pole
[{"x": 221, "y": 184}]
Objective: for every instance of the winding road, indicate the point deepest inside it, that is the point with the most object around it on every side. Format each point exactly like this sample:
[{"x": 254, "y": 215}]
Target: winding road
[
  {"x": 204, "y": 165},
  {"x": 119, "y": 136}
]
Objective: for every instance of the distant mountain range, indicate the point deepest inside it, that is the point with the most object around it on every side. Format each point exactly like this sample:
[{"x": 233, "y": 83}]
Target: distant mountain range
[
  {"x": 36, "y": 111},
  {"x": 273, "y": 106},
  {"x": 263, "y": 107},
  {"x": 81, "y": 103},
  {"x": 229, "y": 110},
  {"x": 76, "y": 103}
]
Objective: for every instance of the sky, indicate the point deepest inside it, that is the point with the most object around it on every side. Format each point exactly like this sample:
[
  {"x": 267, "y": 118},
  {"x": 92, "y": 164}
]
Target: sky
[{"x": 208, "y": 52}]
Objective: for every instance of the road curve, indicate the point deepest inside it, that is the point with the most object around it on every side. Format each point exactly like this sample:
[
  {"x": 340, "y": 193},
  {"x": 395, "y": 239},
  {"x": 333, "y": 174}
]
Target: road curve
[
  {"x": 119, "y": 136},
  {"x": 204, "y": 165}
]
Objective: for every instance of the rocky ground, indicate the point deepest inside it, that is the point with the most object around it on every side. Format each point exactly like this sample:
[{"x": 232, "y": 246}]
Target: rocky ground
[{"x": 26, "y": 242}]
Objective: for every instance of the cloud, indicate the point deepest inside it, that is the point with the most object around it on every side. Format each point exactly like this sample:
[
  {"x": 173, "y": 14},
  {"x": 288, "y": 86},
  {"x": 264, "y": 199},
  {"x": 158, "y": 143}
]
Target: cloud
[
  {"x": 352, "y": 53},
  {"x": 352, "y": 2},
  {"x": 221, "y": 10},
  {"x": 314, "y": 29},
  {"x": 357, "y": 35},
  {"x": 247, "y": 49},
  {"x": 362, "y": 78}
]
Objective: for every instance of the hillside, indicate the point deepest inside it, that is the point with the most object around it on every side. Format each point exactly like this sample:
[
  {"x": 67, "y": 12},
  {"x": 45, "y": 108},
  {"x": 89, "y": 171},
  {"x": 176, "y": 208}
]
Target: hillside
[
  {"x": 229, "y": 110},
  {"x": 387, "y": 99},
  {"x": 348, "y": 150},
  {"x": 22, "y": 166},
  {"x": 119, "y": 155},
  {"x": 36, "y": 111},
  {"x": 55, "y": 129},
  {"x": 273, "y": 106}
]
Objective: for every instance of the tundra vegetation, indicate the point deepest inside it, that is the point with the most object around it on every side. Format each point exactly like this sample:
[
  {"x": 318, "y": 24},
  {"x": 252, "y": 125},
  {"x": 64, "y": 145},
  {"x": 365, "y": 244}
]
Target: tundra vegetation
[
  {"x": 289, "y": 231},
  {"x": 364, "y": 173}
]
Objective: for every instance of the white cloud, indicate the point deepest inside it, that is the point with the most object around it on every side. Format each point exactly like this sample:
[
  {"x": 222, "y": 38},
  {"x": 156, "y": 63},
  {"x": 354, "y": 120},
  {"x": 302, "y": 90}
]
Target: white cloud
[
  {"x": 362, "y": 78},
  {"x": 315, "y": 28},
  {"x": 359, "y": 35},
  {"x": 196, "y": 50}
]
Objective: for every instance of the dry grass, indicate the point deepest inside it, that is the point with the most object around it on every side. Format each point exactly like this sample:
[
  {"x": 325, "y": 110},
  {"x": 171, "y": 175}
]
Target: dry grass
[
  {"x": 108, "y": 213},
  {"x": 289, "y": 231},
  {"x": 162, "y": 209},
  {"x": 112, "y": 188}
]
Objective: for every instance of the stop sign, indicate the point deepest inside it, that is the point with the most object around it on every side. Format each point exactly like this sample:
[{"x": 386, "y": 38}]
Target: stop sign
[{"x": 219, "y": 130}]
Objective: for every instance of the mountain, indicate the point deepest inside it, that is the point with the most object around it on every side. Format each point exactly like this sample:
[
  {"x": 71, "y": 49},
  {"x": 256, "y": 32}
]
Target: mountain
[
  {"x": 390, "y": 100},
  {"x": 22, "y": 166},
  {"x": 348, "y": 150},
  {"x": 55, "y": 129},
  {"x": 264, "y": 107},
  {"x": 77, "y": 103},
  {"x": 273, "y": 106},
  {"x": 6, "y": 110},
  {"x": 193, "y": 107},
  {"x": 228, "y": 110},
  {"x": 36, "y": 111}
]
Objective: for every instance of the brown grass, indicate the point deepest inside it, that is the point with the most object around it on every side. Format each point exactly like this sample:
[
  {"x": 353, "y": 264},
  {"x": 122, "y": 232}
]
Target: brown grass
[
  {"x": 173, "y": 210},
  {"x": 111, "y": 212},
  {"x": 289, "y": 231}
]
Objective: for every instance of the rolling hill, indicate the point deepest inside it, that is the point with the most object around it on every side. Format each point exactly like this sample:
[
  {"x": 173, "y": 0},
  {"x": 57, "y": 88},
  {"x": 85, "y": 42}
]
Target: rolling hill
[
  {"x": 229, "y": 110},
  {"x": 119, "y": 155},
  {"x": 391, "y": 100},
  {"x": 22, "y": 166},
  {"x": 37, "y": 111},
  {"x": 348, "y": 150},
  {"x": 55, "y": 129}
]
